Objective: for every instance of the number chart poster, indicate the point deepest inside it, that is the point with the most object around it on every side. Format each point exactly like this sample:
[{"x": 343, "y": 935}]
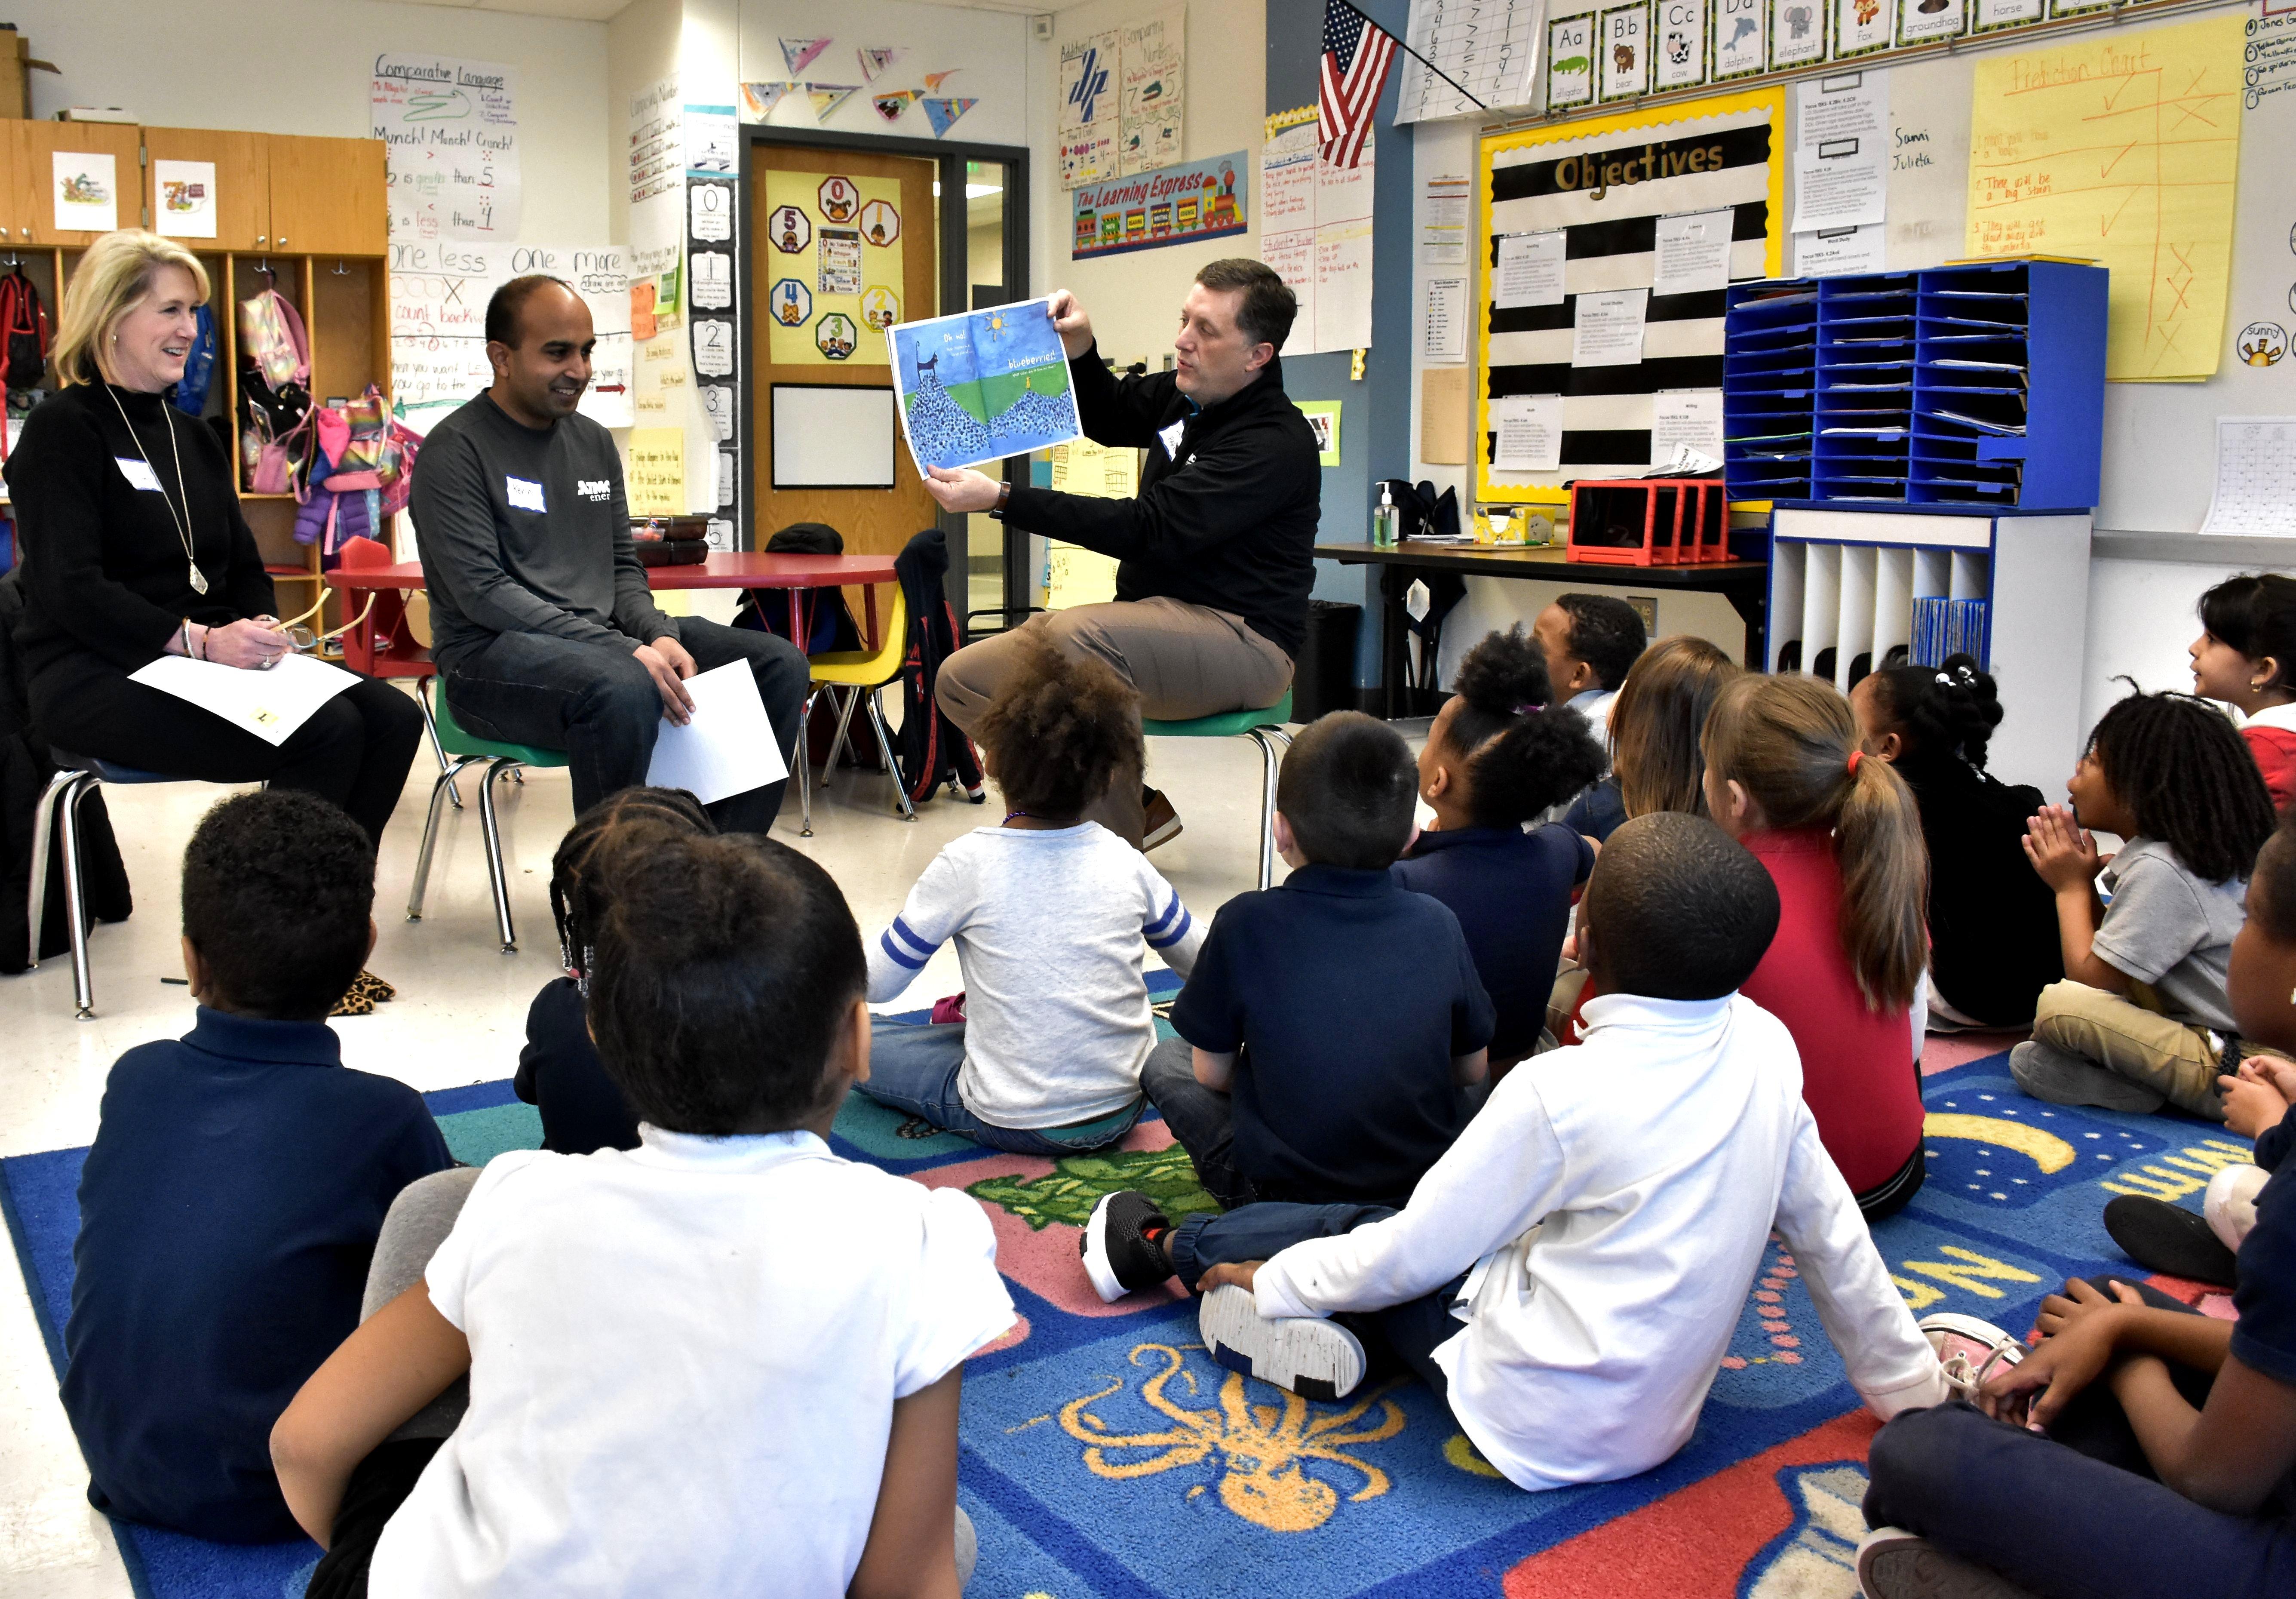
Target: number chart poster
[
  {"x": 832, "y": 255},
  {"x": 1185, "y": 204},
  {"x": 1604, "y": 187}
]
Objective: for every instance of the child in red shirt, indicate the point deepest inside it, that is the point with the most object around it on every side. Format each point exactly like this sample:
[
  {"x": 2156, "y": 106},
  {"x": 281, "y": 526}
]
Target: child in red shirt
[
  {"x": 2246, "y": 657},
  {"x": 1842, "y": 837}
]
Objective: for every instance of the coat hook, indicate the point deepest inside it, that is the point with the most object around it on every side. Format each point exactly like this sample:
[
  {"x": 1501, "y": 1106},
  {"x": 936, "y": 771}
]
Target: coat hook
[{"x": 341, "y": 270}]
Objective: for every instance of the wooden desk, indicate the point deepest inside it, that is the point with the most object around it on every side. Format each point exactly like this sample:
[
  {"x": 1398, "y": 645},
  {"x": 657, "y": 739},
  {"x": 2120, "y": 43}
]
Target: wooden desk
[
  {"x": 747, "y": 570},
  {"x": 1745, "y": 584}
]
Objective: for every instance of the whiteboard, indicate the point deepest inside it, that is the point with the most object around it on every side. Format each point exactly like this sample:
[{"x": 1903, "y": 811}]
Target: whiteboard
[{"x": 832, "y": 435}]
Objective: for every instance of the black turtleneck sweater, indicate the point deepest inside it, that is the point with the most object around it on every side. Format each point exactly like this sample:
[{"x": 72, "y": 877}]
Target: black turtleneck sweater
[
  {"x": 105, "y": 581},
  {"x": 1228, "y": 502}
]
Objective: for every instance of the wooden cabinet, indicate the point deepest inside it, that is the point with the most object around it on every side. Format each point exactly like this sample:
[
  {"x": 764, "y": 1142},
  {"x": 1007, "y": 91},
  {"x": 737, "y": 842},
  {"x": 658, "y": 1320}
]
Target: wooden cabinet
[
  {"x": 33, "y": 148},
  {"x": 328, "y": 196},
  {"x": 242, "y": 165}
]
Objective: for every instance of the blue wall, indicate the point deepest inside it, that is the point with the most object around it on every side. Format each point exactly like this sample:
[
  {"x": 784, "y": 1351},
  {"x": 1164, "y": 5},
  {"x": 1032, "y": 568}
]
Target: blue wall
[{"x": 1375, "y": 414}]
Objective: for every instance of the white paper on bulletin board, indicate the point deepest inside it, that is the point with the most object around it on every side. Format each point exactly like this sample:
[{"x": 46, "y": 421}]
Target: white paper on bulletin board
[
  {"x": 451, "y": 131},
  {"x": 439, "y": 293},
  {"x": 1315, "y": 230},
  {"x": 86, "y": 190}
]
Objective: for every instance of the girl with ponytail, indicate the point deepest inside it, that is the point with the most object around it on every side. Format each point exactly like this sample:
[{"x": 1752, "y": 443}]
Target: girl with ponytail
[
  {"x": 1840, "y": 833},
  {"x": 1498, "y": 756},
  {"x": 1993, "y": 928}
]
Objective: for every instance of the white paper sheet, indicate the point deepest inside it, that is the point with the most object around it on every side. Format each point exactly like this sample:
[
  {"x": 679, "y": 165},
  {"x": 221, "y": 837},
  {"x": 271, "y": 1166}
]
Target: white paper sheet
[
  {"x": 1530, "y": 429},
  {"x": 270, "y": 703},
  {"x": 1842, "y": 250},
  {"x": 1682, "y": 418},
  {"x": 85, "y": 187},
  {"x": 450, "y": 126},
  {"x": 729, "y": 748},
  {"x": 1841, "y": 156},
  {"x": 1608, "y": 328},
  {"x": 2256, "y": 476},
  {"x": 1445, "y": 335},
  {"x": 1694, "y": 253},
  {"x": 183, "y": 195},
  {"x": 1529, "y": 271}
]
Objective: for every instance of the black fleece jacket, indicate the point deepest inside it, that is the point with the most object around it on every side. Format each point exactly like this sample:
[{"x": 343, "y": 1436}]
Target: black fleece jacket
[
  {"x": 1225, "y": 517},
  {"x": 105, "y": 581}
]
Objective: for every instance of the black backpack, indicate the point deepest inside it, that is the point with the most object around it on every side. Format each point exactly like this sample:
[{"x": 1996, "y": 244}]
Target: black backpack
[{"x": 23, "y": 340}]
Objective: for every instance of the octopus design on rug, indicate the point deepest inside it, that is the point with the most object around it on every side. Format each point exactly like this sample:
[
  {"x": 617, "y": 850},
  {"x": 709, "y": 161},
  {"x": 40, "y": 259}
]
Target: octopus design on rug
[{"x": 1263, "y": 1450}]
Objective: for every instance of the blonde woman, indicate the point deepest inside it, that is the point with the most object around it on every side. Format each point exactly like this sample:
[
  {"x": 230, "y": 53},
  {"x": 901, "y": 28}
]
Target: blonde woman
[{"x": 134, "y": 547}]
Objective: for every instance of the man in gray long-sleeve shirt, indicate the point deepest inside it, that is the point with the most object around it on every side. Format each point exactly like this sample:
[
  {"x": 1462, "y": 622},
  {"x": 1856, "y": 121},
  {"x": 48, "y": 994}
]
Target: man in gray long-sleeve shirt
[{"x": 544, "y": 630}]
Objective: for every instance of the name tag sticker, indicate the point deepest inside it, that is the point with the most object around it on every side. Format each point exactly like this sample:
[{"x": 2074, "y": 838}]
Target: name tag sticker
[
  {"x": 138, "y": 473},
  {"x": 523, "y": 495},
  {"x": 1171, "y": 437}
]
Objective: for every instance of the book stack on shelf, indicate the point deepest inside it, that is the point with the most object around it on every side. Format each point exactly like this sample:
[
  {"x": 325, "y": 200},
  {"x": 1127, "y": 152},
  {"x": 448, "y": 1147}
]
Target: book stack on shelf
[{"x": 1944, "y": 627}]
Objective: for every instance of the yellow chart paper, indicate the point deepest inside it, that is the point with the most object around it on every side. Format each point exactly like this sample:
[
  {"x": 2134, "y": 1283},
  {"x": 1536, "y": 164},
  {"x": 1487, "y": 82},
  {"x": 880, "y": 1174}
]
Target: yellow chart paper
[
  {"x": 2120, "y": 149},
  {"x": 657, "y": 475}
]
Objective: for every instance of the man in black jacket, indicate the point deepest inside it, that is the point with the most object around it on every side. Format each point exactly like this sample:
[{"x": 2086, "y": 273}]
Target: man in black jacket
[{"x": 1217, "y": 551}]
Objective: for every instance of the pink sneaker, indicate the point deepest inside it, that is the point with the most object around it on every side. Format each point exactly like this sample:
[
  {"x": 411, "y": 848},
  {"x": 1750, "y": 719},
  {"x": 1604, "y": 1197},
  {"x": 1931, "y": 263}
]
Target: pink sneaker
[{"x": 1970, "y": 1350}]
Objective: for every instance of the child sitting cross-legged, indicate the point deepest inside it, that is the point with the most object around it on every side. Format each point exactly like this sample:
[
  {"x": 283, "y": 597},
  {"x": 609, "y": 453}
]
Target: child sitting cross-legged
[
  {"x": 2142, "y": 1020},
  {"x": 1332, "y": 1022},
  {"x": 1052, "y": 917},
  {"x": 2141, "y": 1451},
  {"x": 239, "y": 1178},
  {"x": 559, "y": 1072},
  {"x": 1569, "y": 1275},
  {"x": 724, "y": 1361},
  {"x": 1498, "y": 755}
]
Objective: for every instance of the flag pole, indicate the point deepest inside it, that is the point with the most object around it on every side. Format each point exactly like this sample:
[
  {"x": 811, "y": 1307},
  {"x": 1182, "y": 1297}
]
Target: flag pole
[{"x": 1371, "y": 21}]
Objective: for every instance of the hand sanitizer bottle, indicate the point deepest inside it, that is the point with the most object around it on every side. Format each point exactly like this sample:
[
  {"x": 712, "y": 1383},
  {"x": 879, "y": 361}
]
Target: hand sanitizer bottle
[{"x": 1385, "y": 521}]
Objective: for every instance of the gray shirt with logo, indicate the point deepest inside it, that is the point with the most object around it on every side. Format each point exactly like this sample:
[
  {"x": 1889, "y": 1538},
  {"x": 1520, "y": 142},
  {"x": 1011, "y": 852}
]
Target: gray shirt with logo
[
  {"x": 2172, "y": 930},
  {"x": 527, "y": 531}
]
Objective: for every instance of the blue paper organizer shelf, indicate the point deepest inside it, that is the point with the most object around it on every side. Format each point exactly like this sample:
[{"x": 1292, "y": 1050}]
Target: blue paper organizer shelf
[{"x": 1971, "y": 385}]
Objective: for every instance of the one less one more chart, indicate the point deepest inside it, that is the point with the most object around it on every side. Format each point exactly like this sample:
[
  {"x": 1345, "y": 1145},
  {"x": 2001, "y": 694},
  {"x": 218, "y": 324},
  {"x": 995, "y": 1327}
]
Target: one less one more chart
[{"x": 983, "y": 385}]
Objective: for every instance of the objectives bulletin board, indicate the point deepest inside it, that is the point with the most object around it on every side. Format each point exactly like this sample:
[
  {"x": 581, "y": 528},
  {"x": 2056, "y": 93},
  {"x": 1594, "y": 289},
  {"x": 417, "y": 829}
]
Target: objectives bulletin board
[{"x": 1583, "y": 363}]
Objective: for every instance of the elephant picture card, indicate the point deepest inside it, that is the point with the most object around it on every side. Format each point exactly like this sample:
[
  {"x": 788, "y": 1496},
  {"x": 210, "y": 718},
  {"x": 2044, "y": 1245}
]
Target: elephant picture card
[{"x": 1797, "y": 33}]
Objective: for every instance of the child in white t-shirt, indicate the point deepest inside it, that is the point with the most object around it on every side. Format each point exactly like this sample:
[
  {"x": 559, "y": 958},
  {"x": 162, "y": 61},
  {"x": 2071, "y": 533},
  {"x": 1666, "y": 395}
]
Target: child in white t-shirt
[
  {"x": 724, "y": 1361},
  {"x": 1052, "y": 917}
]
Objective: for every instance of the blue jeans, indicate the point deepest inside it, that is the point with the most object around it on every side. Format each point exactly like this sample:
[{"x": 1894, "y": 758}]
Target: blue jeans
[
  {"x": 1410, "y": 1332},
  {"x": 599, "y": 705},
  {"x": 914, "y": 1068}
]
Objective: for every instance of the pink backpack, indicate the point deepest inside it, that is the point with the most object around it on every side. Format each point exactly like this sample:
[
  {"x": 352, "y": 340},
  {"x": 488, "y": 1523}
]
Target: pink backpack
[{"x": 271, "y": 332}]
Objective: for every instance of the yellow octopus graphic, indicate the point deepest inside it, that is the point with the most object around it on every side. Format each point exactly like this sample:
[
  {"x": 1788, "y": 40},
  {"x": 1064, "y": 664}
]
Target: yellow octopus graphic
[{"x": 1261, "y": 1447}]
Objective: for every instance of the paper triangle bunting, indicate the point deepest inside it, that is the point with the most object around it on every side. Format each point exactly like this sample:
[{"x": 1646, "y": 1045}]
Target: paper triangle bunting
[
  {"x": 759, "y": 99},
  {"x": 799, "y": 52},
  {"x": 943, "y": 113},
  {"x": 875, "y": 58},
  {"x": 933, "y": 81},
  {"x": 891, "y": 106},
  {"x": 828, "y": 97}
]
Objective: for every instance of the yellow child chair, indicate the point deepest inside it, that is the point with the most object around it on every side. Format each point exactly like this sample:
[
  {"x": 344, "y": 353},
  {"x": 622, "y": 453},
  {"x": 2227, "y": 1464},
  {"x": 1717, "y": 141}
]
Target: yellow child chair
[{"x": 865, "y": 673}]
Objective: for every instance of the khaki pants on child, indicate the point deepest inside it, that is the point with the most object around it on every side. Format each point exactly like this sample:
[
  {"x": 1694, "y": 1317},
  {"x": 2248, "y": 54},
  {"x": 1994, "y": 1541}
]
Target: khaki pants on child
[{"x": 2159, "y": 1057}]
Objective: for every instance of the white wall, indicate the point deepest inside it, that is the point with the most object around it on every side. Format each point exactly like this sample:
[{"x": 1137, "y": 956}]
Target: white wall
[{"x": 303, "y": 67}]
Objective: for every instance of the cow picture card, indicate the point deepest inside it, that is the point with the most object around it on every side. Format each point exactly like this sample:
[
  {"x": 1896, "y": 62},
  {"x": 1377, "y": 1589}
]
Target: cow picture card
[{"x": 1679, "y": 43}]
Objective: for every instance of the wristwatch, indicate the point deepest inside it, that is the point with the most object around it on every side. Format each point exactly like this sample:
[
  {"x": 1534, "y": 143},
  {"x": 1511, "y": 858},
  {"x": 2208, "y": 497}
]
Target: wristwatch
[{"x": 1004, "y": 497}]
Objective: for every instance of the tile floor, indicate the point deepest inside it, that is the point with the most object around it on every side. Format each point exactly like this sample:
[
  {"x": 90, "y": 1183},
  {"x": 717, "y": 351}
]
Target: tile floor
[{"x": 459, "y": 1019}]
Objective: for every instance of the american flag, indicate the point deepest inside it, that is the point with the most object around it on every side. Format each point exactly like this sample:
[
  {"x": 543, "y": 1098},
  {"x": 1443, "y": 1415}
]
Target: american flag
[{"x": 1356, "y": 57}]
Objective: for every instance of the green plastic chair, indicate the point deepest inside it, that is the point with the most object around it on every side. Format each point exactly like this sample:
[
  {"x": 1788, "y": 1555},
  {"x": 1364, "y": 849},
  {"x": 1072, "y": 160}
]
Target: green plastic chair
[
  {"x": 1263, "y": 727},
  {"x": 467, "y": 748}
]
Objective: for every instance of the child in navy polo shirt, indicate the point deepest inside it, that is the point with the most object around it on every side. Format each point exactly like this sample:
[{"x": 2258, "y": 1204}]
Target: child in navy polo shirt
[
  {"x": 238, "y": 1179},
  {"x": 1498, "y": 755},
  {"x": 1330, "y": 1024},
  {"x": 2142, "y": 1450}
]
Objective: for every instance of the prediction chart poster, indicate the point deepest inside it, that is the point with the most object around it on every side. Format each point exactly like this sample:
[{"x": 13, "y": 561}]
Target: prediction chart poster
[{"x": 1574, "y": 371}]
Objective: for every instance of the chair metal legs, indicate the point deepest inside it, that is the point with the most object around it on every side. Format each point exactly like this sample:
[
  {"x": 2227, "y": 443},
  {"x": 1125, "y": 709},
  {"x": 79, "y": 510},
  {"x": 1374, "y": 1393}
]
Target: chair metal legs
[
  {"x": 855, "y": 695},
  {"x": 431, "y": 727},
  {"x": 493, "y": 767},
  {"x": 801, "y": 766},
  {"x": 439, "y": 790},
  {"x": 60, "y": 807},
  {"x": 885, "y": 749},
  {"x": 1271, "y": 760}
]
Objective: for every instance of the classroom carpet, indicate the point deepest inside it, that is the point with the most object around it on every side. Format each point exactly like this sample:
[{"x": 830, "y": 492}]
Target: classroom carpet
[{"x": 1104, "y": 1457}]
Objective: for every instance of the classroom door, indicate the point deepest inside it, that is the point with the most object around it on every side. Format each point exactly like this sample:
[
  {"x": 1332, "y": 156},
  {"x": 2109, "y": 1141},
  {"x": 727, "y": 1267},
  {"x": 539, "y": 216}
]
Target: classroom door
[{"x": 846, "y": 245}]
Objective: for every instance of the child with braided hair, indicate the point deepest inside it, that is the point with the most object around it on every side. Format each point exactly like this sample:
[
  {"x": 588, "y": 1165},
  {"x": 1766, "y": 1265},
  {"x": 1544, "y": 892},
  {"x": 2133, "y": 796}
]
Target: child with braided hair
[
  {"x": 559, "y": 1072},
  {"x": 1993, "y": 925},
  {"x": 2141, "y": 1020},
  {"x": 1498, "y": 755}
]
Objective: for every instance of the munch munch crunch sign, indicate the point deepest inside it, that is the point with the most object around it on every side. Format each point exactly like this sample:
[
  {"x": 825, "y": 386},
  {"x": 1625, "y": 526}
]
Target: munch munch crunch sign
[{"x": 1172, "y": 205}]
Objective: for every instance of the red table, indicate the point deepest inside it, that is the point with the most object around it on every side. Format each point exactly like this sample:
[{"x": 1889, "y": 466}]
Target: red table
[{"x": 400, "y": 658}]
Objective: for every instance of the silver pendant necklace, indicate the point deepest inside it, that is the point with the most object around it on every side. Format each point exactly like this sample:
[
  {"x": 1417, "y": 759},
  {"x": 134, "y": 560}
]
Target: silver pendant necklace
[{"x": 182, "y": 526}]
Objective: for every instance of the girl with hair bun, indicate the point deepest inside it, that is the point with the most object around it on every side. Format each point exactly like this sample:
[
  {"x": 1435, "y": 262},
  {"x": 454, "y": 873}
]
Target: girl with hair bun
[
  {"x": 1498, "y": 755},
  {"x": 1993, "y": 926},
  {"x": 1838, "y": 829},
  {"x": 2246, "y": 657}
]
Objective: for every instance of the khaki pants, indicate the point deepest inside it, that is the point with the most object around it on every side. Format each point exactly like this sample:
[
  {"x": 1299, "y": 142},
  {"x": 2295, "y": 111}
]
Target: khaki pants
[
  {"x": 1186, "y": 661},
  {"x": 2131, "y": 1040}
]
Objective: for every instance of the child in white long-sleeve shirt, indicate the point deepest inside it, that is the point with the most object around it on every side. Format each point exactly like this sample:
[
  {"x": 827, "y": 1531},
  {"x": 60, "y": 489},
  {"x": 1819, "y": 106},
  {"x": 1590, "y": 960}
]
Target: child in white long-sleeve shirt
[
  {"x": 1051, "y": 916},
  {"x": 1568, "y": 1275}
]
